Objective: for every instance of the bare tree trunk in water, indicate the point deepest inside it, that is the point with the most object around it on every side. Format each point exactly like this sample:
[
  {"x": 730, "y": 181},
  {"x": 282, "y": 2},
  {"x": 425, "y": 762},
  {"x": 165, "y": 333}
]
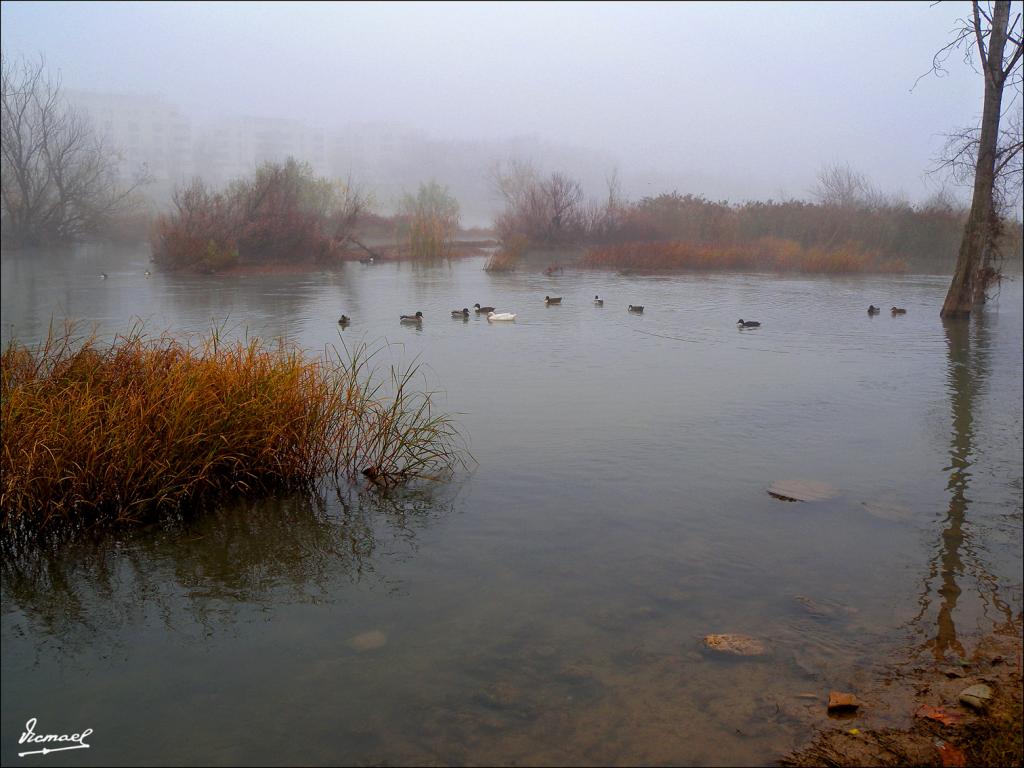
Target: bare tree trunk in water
[
  {"x": 969, "y": 263},
  {"x": 983, "y": 276}
]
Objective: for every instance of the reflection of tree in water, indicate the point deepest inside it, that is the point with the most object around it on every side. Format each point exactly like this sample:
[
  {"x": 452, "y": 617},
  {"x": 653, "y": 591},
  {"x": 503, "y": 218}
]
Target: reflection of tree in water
[
  {"x": 967, "y": 373},
  {"x": 265, "y": 305},
  {"x": 210, "y": 569}
]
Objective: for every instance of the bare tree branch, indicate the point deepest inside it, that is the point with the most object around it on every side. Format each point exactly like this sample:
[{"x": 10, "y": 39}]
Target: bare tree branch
[
  {"x": 993, "y": 150},
  {"x": 59, "y": 179}
]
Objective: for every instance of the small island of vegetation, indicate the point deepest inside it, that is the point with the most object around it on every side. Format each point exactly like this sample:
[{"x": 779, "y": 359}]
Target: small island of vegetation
[
  {"x": 147, "y": 424},
  {"x": 849, "y": 227},
  {"x": 287, "y": 215}
]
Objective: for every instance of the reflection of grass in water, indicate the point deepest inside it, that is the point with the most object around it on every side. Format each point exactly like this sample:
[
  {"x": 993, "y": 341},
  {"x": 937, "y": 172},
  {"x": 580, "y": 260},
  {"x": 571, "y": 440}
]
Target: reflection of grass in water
[
  {"x": 208, "y": 570},
  {"x": 150, "y": 424}
]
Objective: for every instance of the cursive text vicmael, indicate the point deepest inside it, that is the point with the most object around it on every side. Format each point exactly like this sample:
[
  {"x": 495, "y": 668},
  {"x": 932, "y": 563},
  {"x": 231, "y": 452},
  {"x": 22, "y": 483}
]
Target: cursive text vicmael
[{"x": 29, "y": 736}]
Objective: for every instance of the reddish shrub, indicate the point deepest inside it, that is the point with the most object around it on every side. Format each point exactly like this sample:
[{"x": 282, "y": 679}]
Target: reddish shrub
[{"x": 283, "y": 214}]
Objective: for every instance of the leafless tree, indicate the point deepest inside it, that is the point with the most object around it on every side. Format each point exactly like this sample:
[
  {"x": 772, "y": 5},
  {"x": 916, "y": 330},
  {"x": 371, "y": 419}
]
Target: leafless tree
[
  {"x": 563, "y": 198},
  {"x": 351, "y": 202},
  {"x": 60, "y": 180},
  {"x": 604, "y": 220},
  {"x": 959, "y": 158},
  {"x": 943, "y": 201},
  {"x": 999, "y": 45},
  {"x": 512, "y": 179},
  {"x": 545, "y": 211},
  {"x": 840, "y": 186}
]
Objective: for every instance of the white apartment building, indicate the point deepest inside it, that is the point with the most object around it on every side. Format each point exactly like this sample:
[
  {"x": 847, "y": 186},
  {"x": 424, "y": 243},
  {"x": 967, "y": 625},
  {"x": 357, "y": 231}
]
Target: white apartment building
[
  {"x": 234, "y": 147},
  {"x": 388, "y": 159},
  {"x": 146, "y": 132}
]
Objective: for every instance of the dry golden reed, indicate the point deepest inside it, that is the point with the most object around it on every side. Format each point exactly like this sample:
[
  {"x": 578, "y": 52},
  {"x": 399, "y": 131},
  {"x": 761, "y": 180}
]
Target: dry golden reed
[
  {"x": 508, "y": 255},
  {"x": 767, "y": 254},
  {"x": 144, "y": 424}
]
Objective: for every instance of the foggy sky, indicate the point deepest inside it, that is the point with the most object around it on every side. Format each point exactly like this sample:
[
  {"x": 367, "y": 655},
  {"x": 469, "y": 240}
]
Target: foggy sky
[{"x": 732, "y": 100}]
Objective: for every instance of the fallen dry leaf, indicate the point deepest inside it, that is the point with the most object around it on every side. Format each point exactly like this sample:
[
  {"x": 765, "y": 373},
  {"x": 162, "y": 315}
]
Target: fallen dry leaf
[
  {"x": 952, "y": 757},
  {"x": 939, "y": 715}
]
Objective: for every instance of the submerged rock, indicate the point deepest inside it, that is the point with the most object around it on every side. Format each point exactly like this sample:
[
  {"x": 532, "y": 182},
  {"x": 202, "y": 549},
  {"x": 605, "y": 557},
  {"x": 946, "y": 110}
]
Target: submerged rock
[
  {"x": 499, "y": 696},
  {"x": 814, "y": 608},
  {"x": 736, "y": 645},
  {"x": 889, "y": 511},
  {"x": 801, "y": 490},
  {"x": 842, "y": 702},
  {"x": 977, "y": 697},
  {"x": 507, "y": 701},
  {"x": 369, "y": 641}
]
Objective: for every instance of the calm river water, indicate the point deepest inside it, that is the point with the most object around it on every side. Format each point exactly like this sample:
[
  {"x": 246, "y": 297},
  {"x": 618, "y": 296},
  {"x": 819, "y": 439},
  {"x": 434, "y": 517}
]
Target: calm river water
[{"x": 548, "y": 606}]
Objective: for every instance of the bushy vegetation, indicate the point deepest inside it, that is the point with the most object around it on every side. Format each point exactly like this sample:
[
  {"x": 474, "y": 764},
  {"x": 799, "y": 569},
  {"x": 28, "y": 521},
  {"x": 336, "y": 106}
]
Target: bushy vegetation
[
  {"x": 508, "y": 254},
  {"x": 283, "y": 214},
  {"x": 927, "y": 234},
  {"x": 850, "y": 226},
  {"x": 430, "y": 219},
  {"x": 148, "y": 424}
]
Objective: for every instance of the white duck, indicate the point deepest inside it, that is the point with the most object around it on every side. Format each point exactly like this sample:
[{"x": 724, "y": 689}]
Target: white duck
[{"x": 495, "y": 316}]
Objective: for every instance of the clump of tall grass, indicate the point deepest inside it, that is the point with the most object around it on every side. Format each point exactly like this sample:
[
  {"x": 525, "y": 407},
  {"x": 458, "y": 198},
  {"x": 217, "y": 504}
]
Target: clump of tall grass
[
  {"x": 508, "y": 255},
  {"x": 432, "y": 215},
  {"x": 767, "y": 254},
  {"x": 146, "y": 424}
]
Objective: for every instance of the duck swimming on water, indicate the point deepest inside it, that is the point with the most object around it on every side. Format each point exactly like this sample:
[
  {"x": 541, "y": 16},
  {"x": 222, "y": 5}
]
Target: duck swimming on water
[
  {"x": 638, "y": 310},
  {"x": 873, "y": 310},
  {"x": 344, "y": 320},
  {"x": 598, "y": 302},
  {"x": 482, "y": 310},
  {"x": 748, "y": 323},
  {"x": 552, "y": 299},
  {"x": 417, "y": 318},
  {"x": 461, "y": 314},
  {"x": 898, "y": 311}
]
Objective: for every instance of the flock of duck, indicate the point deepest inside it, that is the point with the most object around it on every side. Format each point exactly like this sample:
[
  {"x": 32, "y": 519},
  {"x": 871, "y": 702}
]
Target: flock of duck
[
  {"x": 498, "y": 317},
  {"x": 494, "y": 316}
]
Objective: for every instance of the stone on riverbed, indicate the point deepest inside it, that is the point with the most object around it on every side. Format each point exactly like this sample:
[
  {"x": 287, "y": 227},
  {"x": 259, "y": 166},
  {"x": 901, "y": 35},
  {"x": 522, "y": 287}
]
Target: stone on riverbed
[
  {"x": 369, "y": 641},
  {"x": 801, "y": 490},
  {"x": 842, "y": 702},
  {"x": 977, "y": 697},
  {"x": 735, "y": 645},
  {"x": 887, "y": 510},
  {"x": 814, "y": 608}
]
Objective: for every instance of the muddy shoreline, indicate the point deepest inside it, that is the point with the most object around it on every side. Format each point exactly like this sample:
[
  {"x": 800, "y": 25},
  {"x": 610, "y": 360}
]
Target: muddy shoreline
[{"x": 917, "y": 714}]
